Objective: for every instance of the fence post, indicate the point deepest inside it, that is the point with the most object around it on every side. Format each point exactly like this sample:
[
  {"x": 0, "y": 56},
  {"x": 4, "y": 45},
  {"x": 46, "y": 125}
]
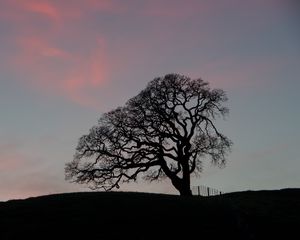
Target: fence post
[{"x": 206, "y": 191}]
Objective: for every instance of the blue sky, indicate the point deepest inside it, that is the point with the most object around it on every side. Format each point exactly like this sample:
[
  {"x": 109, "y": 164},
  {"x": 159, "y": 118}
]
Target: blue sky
[{"x": 63, "y": 64}]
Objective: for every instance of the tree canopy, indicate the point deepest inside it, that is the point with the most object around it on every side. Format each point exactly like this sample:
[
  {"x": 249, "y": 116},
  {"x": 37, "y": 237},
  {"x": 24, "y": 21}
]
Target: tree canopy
[{"x": 166, "y": 131}]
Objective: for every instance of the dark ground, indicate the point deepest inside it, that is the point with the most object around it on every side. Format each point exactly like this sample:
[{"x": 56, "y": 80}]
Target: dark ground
[{"x": 124, "y": 215}]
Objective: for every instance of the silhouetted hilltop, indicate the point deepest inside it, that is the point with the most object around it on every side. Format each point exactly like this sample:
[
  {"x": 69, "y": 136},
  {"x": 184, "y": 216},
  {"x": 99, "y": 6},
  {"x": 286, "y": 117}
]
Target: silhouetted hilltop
[{"x": 126, "y": 215}]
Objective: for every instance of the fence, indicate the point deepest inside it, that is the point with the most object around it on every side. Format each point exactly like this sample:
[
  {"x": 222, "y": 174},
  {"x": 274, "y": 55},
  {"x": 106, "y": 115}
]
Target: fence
[{"x": 205, "y": 191}]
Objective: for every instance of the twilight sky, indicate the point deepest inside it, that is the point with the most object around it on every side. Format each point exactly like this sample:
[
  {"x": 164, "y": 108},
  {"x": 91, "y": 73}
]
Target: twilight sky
[{"x": 63, "y": 63}]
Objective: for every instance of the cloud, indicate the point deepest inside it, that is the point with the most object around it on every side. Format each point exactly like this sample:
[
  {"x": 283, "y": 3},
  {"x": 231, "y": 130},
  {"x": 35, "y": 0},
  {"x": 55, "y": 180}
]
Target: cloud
[
  {"x": 26, "y": 174},
  {"x": 67, "y": 50},
  {"x": 43, "y": 8},
  {"x": 14, "y": 157},
  {"x": 57, "y": 10},
  {"x": 10, "y": 158},
  {"x": 91, "y": 73},
  {"x": 46, "y": 51},
  {"x": 37, "y": 47},
  {"x": 81, "y": 74}
]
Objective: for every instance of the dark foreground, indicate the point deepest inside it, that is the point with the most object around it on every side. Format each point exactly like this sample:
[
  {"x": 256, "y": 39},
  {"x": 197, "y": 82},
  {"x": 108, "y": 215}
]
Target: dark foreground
[{"x": 117, "y": 215}]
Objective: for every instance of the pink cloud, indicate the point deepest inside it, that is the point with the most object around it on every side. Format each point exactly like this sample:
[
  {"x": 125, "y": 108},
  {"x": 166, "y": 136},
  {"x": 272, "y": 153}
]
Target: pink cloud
[
  {"x": 10, "y": 162},
  {"x": 56, "y": 11},
  {"x": 10, "y": 158},
  {"x": 37, "y": 47},
  {"x": 33, "y": 186},
  {"x": 40, "y": 59},
  {"x": 25, "y": 11},
  {"x": 66, "y": 60},
  {"x": 26, "y": 173},
  {"x": 92, "y": 73},
  {"x": 23, "y": 179},
  {"x": 43, "y": 8}
]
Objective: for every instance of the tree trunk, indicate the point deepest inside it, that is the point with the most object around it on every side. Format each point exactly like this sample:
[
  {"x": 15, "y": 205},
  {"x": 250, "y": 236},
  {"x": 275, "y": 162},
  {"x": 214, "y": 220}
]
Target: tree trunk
[
  {"x": 185, "y": 191},
  {"x": 183, "y": 188},
  {"x": 186, "y": 181},
  {"x": 183, "y": 185}
]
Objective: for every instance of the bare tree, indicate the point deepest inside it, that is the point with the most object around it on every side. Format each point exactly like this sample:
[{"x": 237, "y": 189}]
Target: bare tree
[{"x": 167, "y": 130}]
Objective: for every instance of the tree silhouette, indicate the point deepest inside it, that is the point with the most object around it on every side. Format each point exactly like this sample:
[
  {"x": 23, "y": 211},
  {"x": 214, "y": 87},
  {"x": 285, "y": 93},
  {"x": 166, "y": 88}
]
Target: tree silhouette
[{"x": 167, "y": 130}]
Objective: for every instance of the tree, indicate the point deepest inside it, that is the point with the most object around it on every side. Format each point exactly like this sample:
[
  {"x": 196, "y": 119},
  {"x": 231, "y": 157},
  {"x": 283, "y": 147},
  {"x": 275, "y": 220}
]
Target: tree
[{"x": 167, "y": 130}]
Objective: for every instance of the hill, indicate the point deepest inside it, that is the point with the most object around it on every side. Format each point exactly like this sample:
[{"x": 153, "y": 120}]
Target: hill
[{"x": 125, "y": 215}]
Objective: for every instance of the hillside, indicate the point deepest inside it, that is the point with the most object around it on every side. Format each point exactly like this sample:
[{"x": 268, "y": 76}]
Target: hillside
[{"x": 123, "y": 215}]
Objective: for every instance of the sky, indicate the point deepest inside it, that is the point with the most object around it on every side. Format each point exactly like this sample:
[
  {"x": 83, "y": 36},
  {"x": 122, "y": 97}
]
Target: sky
[{"x": 64, "y": 63}]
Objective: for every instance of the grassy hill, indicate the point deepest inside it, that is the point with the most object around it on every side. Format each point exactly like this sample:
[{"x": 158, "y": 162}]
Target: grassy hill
[{"x": 125, "y": 215}]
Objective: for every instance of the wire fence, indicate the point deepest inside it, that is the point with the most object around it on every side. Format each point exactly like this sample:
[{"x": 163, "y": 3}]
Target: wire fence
[{"x": 205, "y": 191}]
